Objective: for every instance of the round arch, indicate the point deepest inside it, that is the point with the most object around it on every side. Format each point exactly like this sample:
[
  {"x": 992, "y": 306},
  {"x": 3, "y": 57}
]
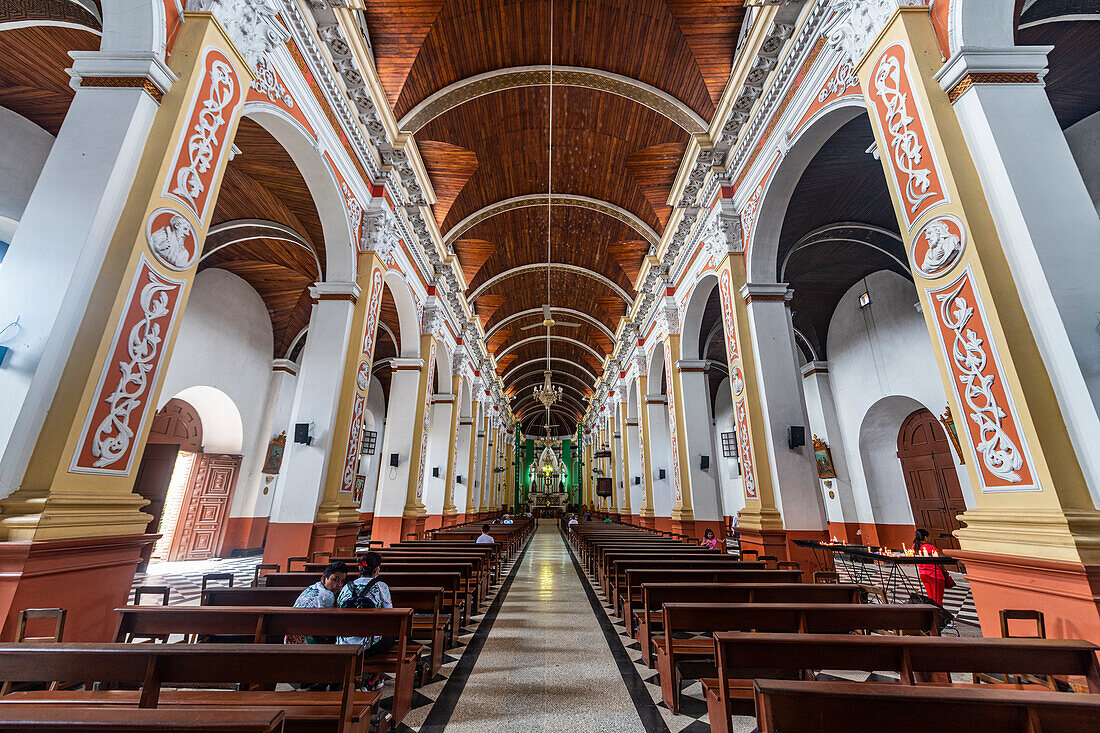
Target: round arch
[
  {"x": 693, "y": 316},
  {"x": 763, "y": 247},
  {"x": 656, "y": 375},
  {"x": 222, "y": 428},
  {"x": 341, "y": 259},
  {"x": 407, "y": 320}
]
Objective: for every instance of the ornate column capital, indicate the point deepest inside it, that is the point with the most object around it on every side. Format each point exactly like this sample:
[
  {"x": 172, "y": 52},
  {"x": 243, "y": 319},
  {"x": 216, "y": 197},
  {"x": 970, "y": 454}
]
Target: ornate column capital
[
  {"x": 856, "y": 23},
  {"x": 723, "y": 234},
  {"x": 250, "y": 24},
  {"x": 378, "y": 233}
]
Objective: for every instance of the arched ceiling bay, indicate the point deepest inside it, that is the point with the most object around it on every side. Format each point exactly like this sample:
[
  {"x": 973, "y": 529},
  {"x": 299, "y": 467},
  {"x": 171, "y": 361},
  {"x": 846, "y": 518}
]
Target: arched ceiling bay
[{"x": 489, "y": 146}]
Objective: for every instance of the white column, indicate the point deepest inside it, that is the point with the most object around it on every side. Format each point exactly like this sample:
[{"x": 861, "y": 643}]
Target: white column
[
  {"x": 316, "y": 397},
  {"x": 797, "y": 495},
  {"x": 252, "y": 501},
  {"x": 393, "y": 483},
  {"x": 632, "y": 445},
  {"x": 1046, "y": 221},
  {"x": 439, "y": 448},
  {"x": 660, "y": 447},
  {"x": 58, "y": 248},
  {"x": 841, "y": 507},
  {"x": 371, "y": 468},
  {"x": 698, "y": 430},
  {"x": 463, "y": 480}
]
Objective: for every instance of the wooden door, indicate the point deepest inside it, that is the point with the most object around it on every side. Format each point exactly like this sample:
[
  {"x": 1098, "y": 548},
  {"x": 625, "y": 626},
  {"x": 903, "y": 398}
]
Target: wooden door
[
  {"x": 930, "y": 477},
  {"x": 205, "y": 507},
  {"x": 154, "y": 474}
]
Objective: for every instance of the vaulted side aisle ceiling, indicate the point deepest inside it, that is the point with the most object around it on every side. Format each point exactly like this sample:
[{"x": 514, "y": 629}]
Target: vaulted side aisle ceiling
[{"x": 633, "y": 80}]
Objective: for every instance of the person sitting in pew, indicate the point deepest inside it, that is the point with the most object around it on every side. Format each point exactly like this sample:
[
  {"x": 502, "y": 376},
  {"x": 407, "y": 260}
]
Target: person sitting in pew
[
  {"x": 321, "y": 594},
  {"x": 709, "y": 540},
  {"x": 368, "y": 591},
  {"x": 573, "y": 522},
  {"x": 485, "y": 538}
]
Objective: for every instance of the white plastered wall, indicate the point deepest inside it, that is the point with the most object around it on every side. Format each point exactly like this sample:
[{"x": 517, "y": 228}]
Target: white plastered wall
[
  {"x": 731, "y": 486},
  {"x": 24, "y": 147},
  {"x": 225, "y": 342},
  {"x": 375, "y": 420},
  {"x": 1084, "y": 143},
  {"x": 881, "y": 355}
]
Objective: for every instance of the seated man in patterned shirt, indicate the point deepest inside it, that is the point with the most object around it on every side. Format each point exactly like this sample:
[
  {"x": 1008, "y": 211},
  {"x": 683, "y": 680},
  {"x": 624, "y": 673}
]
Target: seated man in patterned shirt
[
  {"x": 321, "y": 594},
  {"x": 368, "y": 591}
]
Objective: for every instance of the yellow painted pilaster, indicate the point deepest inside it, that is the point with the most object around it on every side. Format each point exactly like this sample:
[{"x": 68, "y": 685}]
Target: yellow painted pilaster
[
  {"x": 626, "y": 455},
  {"x": 646, "y": 509},
  {"x": 613, "y": 503},
  {"x": 338, "y": 504},
  {"x": 452, "y": 449},
  {"x": 485, "y": 456},
  {"x": 471, "y": 472},
  {"x": 1030, "y": 492},
  {"x": 760, "y": 512},
  {"x": 681, "y": 467},
  {"x": 422, "y": 423},
  {"x": 80, "y": 477}
]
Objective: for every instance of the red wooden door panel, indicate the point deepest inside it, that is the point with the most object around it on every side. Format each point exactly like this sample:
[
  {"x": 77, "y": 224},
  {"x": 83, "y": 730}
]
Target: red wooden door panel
[
  {"x": 930, "y": 477},
  {"x": 205, "y": 507}
]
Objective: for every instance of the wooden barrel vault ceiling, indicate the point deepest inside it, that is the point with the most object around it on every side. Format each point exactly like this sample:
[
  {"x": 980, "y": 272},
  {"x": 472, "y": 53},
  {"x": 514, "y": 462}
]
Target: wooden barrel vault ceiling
[{"x": 608, "y": 147}]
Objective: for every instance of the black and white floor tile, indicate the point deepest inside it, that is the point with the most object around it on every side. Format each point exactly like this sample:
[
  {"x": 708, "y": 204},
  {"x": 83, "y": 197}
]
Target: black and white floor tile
[{"x": 185, "y": 578}]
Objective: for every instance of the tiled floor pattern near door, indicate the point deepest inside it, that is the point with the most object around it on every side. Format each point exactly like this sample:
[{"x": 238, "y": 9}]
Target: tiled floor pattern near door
[
  {"x": 958, "y": 600},
  {"x": 185, "y": 578}
]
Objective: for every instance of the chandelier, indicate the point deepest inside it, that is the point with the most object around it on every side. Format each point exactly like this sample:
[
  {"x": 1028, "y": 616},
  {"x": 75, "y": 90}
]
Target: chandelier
[{"x": 547, "y": 394}]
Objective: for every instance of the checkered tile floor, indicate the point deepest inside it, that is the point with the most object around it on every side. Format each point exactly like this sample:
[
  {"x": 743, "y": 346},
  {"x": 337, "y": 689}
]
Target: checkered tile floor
[
  {"x": 185, "y": 581},
  {"x": 185, "y": 578}
]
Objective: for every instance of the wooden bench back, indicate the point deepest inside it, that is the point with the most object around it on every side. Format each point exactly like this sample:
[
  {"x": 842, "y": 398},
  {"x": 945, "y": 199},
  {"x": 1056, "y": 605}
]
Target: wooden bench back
[
  {"x": 806, "y": 618},
  {"x": 767, "y": 655},
  {"x": 637, "y": 577},
  {"x": 420, "y": 600},
  {"x": 155, "y": 665},
  {"x": 30, "y": 718},
  {"x": 263, "y": 623},
  {"x": 824, "y": 707},
  {"x": 655, "y": 595}
]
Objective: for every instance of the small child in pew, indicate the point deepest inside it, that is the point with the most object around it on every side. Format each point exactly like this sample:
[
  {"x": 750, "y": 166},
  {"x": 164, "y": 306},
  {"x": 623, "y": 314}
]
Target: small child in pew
[
  {"x": 321, "y": 594},
  {"x": 368, "y": 591}
]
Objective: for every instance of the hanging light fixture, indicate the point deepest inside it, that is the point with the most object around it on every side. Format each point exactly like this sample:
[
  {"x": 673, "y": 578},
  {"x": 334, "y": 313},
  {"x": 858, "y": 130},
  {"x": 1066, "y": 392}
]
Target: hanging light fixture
[{"x": 547, "y": 393}]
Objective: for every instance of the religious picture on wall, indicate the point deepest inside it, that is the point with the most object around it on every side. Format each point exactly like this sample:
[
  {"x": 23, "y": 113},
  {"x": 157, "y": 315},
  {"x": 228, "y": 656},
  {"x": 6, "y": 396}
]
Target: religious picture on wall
[
  {"x": 824, "y": 459},
  {"x": 949, "y": 425},
  {"x": 275, "y": 454},
  {"x": 357, "y": 489}
]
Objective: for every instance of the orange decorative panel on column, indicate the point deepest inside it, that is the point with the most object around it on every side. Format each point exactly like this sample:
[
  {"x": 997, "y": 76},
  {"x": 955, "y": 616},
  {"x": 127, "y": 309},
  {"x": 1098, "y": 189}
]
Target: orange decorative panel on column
[
  {"x": 362, "y": 382},
  {"x": 117, "y": 416},
  {"x": 199, "y": 149},
  {"x": 427, "y": 423},
  {"x": 992, "y": 423},
  {"x": 737, "y": 384},
  {"x": 911, "y": 160},
  {"x": 672, "y": 423}
]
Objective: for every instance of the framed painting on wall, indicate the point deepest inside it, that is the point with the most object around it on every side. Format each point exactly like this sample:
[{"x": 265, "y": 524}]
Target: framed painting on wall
[
  {"x": 949, "y": 425},
  {"x": 823, "y": 458},
  {"x": 274, "y": 457},
  {"x": 357, "y": 488}
]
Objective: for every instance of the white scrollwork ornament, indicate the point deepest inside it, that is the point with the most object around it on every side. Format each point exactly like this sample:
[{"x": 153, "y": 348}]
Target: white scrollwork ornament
[
  {"x": 856, "y": 23},
  {"x": 908, "y": 154},
  {"x": 201, "y": 152},
  {"x": 267, "y": 83},
  {"x": 1000, "y": 454},
  {"x": 113, "y": 435},
  {"x": 251, "y": 24}
]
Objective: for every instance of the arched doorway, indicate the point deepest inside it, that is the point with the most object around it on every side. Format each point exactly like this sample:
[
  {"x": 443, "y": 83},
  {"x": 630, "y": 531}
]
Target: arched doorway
[{"x": 930, "y": 477}]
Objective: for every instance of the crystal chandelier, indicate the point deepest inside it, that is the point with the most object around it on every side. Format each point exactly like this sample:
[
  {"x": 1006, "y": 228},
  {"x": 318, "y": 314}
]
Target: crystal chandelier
[{"x": 547, "y": 394}]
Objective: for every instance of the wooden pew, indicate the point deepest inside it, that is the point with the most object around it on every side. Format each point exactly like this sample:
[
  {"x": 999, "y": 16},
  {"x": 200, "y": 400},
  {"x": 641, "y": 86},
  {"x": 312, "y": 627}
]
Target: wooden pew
[
  {"x": 631, "y": 594},
  {"x": 678, "y": 658},
  {"x": 30, "y": 718},
  {"x": 915, "y": 659},
  {"x": 430, "y": 626},
  {"x": 826, "y": 707},
  {"x": 648, "y": 619},
  {"x": 618, "y": 567},
  {"x": 153, "y": 667},
  {"x": 648, "y": 552},
  {"x": 273, "y": 624},
  {"x": 454, "y": 598}
]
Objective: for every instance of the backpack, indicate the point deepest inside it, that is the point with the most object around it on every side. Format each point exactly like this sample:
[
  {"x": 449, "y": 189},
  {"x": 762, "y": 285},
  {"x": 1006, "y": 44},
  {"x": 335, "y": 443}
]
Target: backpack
[{"x": 360, "y": 599}]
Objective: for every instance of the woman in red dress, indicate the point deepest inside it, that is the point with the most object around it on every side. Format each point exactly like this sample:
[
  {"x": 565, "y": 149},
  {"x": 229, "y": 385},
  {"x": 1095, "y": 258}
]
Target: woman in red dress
[{"x": 932, "y": 577}]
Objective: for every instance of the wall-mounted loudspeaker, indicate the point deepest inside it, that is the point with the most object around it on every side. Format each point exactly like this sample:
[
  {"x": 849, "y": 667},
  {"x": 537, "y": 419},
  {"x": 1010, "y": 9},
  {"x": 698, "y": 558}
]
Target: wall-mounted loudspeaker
[
  {"x": 660, "y": 473},
  {"x": 796, "y": 436},
  {"x": 301, "y": 433},
  {"x": 394, "y": 459},
  {"x": 458, "y": 479},
  {"x": 637, "y": 480},
  {"x": 704, "y": 463},
  {"x": 435, "y": 471}
]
